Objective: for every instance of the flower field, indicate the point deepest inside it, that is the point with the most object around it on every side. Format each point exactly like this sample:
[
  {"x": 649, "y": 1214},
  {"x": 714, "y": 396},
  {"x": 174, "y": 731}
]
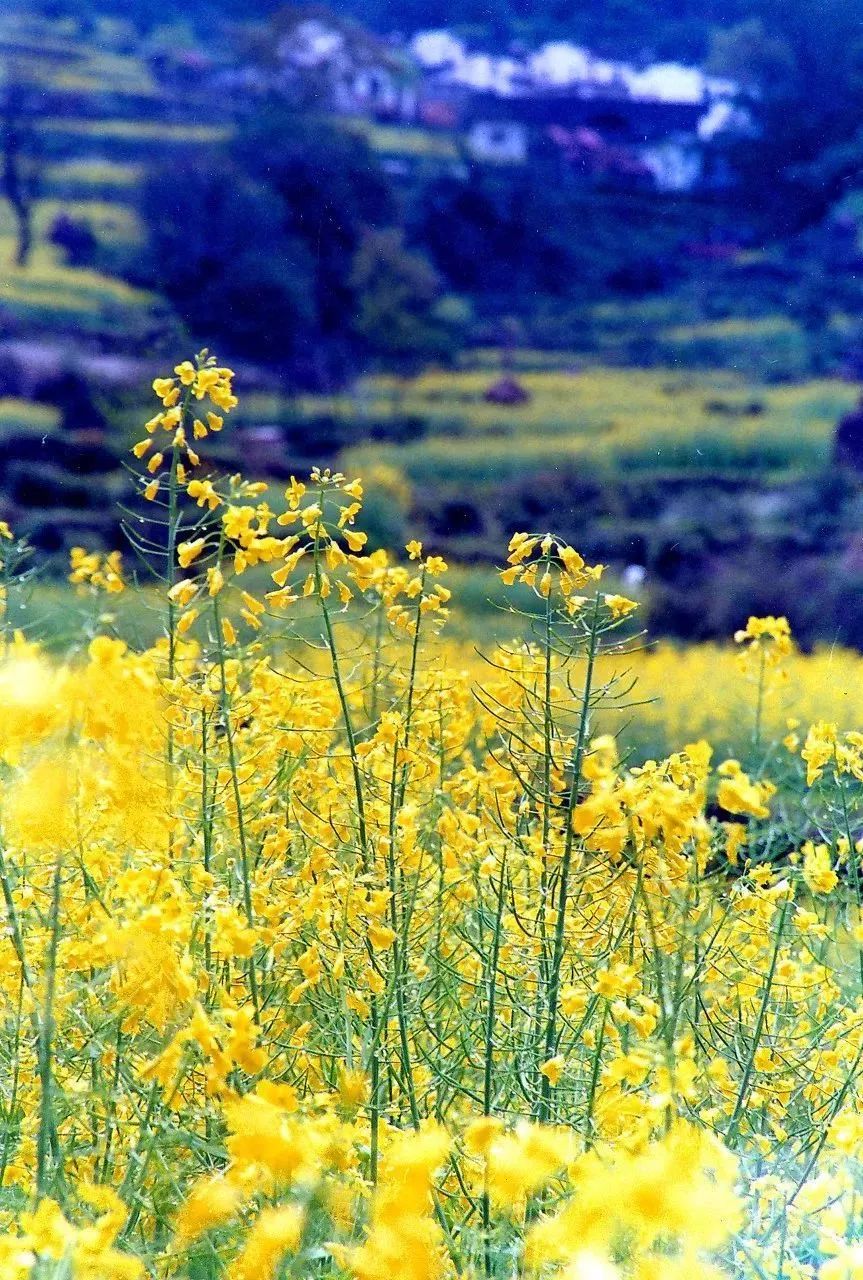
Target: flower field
[{"x": 333, "y": 948}]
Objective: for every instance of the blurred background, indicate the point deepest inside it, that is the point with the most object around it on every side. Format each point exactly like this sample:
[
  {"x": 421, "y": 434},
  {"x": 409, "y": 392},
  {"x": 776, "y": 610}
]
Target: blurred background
[{"x": 521, "y": 265}]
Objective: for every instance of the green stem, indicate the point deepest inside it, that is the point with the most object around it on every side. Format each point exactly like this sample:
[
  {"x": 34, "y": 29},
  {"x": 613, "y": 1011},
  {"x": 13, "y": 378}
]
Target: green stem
[
  {"x": 732, "y": 1134},
  {"x": 566, "y": 862},
  {"x": 225, "y": 707},
  {"x": 488, "y": 1066},
  {"x": 46, "y": 1036}
]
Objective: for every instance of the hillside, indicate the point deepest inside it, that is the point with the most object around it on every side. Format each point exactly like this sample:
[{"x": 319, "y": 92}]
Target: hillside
[
  {"x": 679, "y": 365},
  {"x": 678, "y": 29}
]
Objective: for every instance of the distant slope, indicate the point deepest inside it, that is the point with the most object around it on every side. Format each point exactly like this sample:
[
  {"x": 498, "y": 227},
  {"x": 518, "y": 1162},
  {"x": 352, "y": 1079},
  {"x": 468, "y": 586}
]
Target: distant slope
[{"x": 678, "y": 29}]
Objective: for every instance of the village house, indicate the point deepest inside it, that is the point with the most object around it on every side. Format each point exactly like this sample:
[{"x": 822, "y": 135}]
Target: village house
[
  {"x": 653, "y": 127},
  {"x": 603, "y": 135}
]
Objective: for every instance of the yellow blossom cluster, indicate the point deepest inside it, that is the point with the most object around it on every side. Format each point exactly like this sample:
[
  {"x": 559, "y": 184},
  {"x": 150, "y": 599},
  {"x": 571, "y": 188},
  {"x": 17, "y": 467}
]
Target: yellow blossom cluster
[
  {"x": 91, "y": 568},
  {"x": 768, "y": 639},
  {"x": 543, "y": 562},
  {"x": 181, "y": 417}
]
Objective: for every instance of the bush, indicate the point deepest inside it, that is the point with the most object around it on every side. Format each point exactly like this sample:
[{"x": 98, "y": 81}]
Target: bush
[{"x": 75, "y": 239}]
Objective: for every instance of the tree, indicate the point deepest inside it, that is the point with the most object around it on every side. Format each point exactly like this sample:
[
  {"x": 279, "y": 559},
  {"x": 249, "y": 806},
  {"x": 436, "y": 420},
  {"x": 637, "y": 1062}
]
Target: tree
[
  {"x": 219, "y": 249},
  {"x": 331, "y": 187},
  {"x": 402, "y": 316},
  {"x": 21, "y": 154},
  {"x": 331, "y": 190},
  {"x": 507, "y": 235},
  {"x": 751, "y": 55},
  {"x": 802, "y": 65},
  {"x": 259, "y": 242},
  {"x": 75, "y": 238}
]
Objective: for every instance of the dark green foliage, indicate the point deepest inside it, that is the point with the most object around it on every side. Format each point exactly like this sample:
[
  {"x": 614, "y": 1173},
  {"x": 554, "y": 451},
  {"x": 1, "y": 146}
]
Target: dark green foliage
[
  {"x": 499, "y": 233},
  {"x": 71, "y": 394},
  {"x": 517, "y": 236},
  {"x": 284, "y": 252},
  {"x": 75, "y": 239},
  {"x": 217, "y": 246},
  {"x": 402, "y": 317},
  {"x": 331, "y": 188},
  {"x": 803, "y": 59}
]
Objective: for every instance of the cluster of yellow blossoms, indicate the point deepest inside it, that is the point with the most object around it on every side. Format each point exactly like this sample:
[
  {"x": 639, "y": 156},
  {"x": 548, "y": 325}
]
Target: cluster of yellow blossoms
[
  {"x": 90, "y": 568},
  {"x": 191, "y": 384},
  {"x": 330, "y": 951}
]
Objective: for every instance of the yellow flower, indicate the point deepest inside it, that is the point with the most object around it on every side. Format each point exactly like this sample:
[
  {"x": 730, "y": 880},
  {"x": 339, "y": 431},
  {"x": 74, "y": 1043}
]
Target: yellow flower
[
  {"x": 735, "y": 840},
  {"x": 165, "y": 389},
  {"x": 590, "y": 1265},
  {"x": 381, "y": 936},
  {"x": 356, "y": 541},
  {"x": 203, "y": 493},
  {"x": 739, "y": 794},
  {"x": 522, "y": 1162},
  {"x": 846, "y": 1264},
  {"x": 818, "y": 870},
  {"x": 211, "y": 1202},
  {"x": 185, "y": 372},
  {"x": 553, "y": 1069},
  {"x": 572, "y": 1001},
  {"x": 481, "y": 1133},
  {"x": 820, "y": 748},
  {"x": 187, "y": 620},
  {"x": 183, "y": 591},
  {"x": 620, "y": 606},
  {"x": 353, "y": 1087},
  {"x": 48, "y": 1230},
  {"x": 275, "y": 1232},
  {"x": 188, "y": 552}
]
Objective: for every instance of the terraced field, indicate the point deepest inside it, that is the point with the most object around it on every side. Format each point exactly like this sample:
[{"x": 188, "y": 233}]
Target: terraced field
[
  {"x": 103, "y": 116},
  {"x": 594, "y": 416}
]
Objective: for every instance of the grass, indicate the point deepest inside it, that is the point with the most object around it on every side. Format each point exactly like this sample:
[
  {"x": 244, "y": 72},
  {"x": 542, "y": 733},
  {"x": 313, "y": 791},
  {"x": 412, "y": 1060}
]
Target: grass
[
  {"x": 59, "y": 55},
  {"x": 111, "y": 222},
  {"x": 65, "y": 622},
  {"x": 24, "y": 413},
  {"x": 733, "y": 327}
]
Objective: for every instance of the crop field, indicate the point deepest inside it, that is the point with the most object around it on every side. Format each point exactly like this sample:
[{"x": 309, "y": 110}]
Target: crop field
[
  {"x": 352, "y": 934},
  {"x": 600, "y": 417},
  {"x": 401, "y": 141},
  {"x": 47, "y": 295},
  {"x": 113, "y": 222},
  {"x": 89, "y": 179}
]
